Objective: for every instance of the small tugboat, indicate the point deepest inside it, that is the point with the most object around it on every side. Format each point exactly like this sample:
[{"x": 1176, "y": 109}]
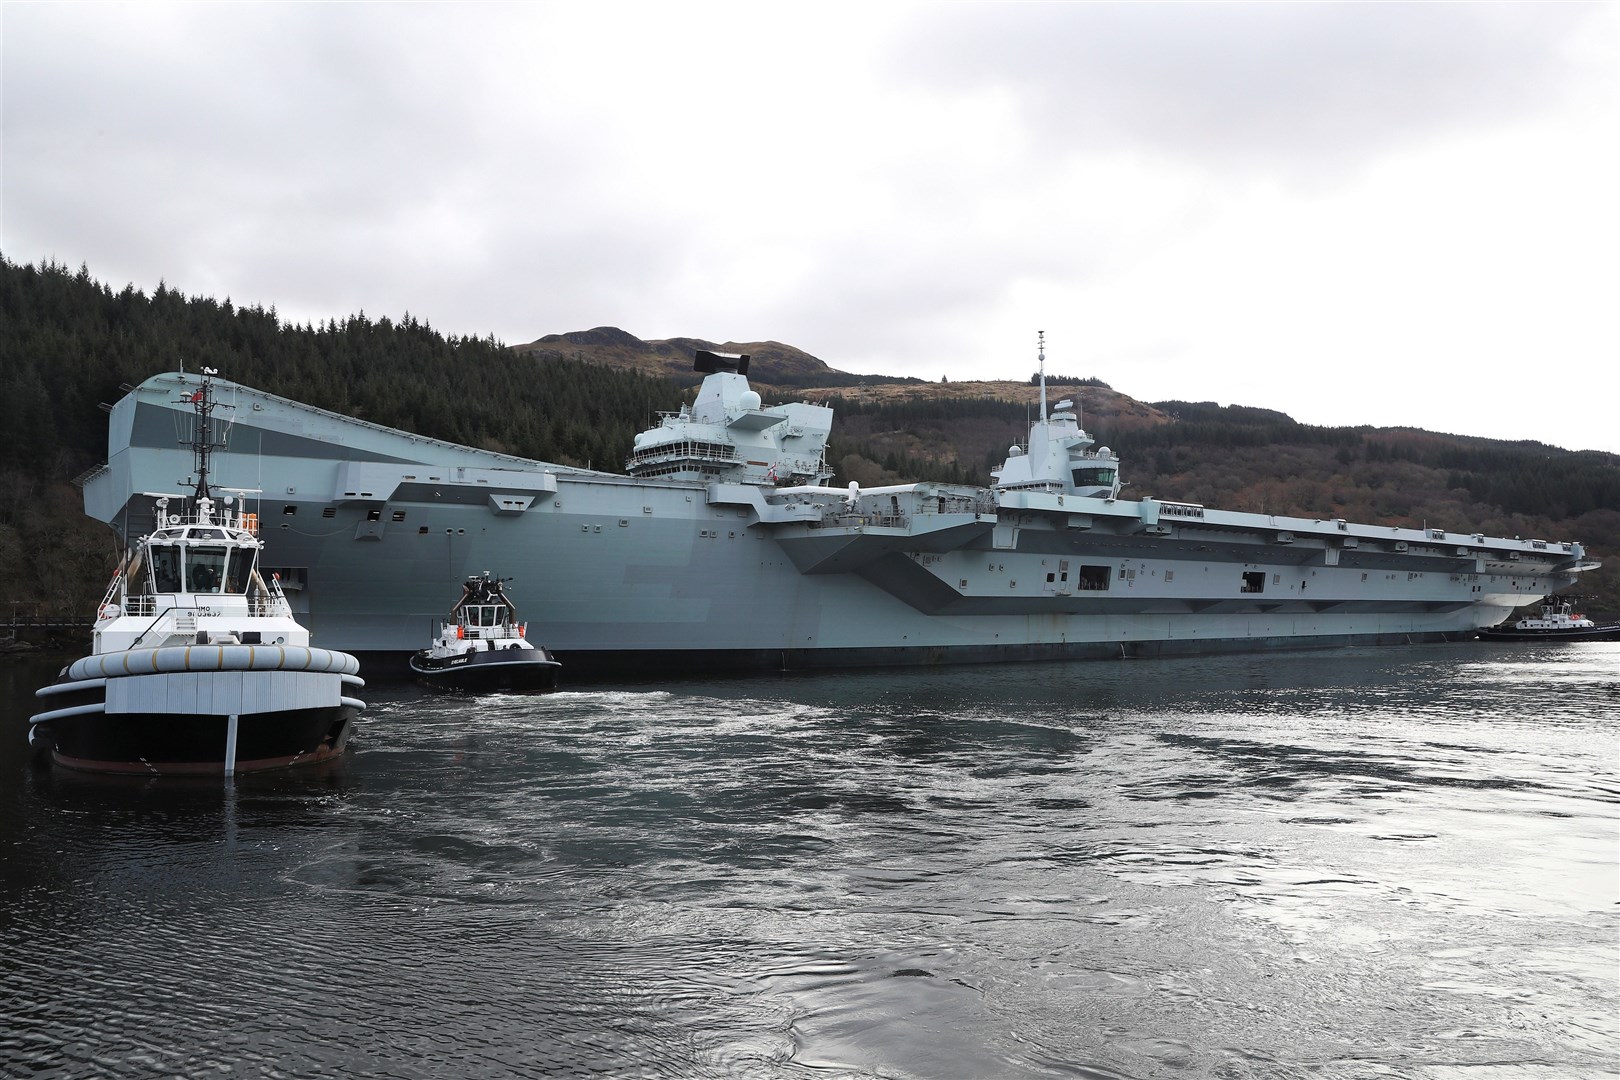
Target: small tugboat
[
  {"x": 1556, "y": 621},
  {"x": 198, "y": 666},
  {"x": 482, "y": 645}
]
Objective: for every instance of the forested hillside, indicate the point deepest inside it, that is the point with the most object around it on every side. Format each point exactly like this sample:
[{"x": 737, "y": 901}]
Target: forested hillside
[{"x": 67, "y": 342}]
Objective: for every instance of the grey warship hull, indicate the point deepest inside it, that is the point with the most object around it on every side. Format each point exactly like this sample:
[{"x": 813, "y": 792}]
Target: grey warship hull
[{"x": 372, "y": 526}]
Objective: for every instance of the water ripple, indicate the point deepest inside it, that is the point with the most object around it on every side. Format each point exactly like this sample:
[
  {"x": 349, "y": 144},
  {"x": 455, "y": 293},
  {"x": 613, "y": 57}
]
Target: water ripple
[{"x": 1350, "y": 864}]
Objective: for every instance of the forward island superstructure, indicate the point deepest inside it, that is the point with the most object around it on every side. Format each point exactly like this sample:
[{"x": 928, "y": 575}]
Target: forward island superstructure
[{"x": 727, "y": 546}]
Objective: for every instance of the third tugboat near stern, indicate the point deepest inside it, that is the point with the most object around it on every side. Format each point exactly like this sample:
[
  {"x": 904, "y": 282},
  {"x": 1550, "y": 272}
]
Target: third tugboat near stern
[{"x": 1556, "y": 621}]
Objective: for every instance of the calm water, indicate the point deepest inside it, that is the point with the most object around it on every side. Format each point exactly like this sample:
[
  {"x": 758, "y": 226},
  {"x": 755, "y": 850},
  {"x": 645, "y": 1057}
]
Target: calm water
[{"x": 1358, "y": 863}]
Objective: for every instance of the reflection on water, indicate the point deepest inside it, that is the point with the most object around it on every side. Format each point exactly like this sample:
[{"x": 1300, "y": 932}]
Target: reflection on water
[{"x": 1353, "y": 863}]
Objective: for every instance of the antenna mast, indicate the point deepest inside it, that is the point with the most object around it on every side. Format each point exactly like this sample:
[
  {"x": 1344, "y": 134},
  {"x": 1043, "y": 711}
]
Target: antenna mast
[
  {"x": 1040, "y": 347},
  {"x": 202, "y": 400}
]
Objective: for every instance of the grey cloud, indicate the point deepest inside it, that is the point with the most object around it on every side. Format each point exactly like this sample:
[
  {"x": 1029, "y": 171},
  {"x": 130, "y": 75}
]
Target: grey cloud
[
  {"x": 315, "y": 157},
  {"x": 1295, "y": 87}
]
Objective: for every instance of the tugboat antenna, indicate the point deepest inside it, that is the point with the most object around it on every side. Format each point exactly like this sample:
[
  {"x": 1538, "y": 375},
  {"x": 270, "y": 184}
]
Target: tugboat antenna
[{"x": 202, "y": 400}]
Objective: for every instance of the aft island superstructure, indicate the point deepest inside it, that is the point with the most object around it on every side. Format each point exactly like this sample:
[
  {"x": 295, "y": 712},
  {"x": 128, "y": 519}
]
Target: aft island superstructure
[{"x": 727, "y": 546}]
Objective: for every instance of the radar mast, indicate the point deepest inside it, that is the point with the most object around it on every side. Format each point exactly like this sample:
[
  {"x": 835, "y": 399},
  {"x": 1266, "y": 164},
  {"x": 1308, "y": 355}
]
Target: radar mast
[
  {"x": 1040, "y": 354},
  {"x": 202, "y": 402}
]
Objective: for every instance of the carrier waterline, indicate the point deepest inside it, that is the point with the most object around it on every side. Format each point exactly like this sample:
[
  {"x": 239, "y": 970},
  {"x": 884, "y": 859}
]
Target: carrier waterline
[{"x": 725, "y": 546}]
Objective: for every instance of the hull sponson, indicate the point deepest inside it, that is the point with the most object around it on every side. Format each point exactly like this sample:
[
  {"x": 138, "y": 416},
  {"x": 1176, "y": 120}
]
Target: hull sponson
[{"x": 373, "y": 527}]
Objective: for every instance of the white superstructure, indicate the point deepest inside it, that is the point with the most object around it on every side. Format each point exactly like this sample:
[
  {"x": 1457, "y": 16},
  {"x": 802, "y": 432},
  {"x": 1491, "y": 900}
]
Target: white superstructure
[{"x": 197, "y": 663}]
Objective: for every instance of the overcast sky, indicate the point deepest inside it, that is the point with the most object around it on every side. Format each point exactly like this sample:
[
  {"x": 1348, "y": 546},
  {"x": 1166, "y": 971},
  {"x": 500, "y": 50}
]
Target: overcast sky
[{"x": 1396, "y": 214}]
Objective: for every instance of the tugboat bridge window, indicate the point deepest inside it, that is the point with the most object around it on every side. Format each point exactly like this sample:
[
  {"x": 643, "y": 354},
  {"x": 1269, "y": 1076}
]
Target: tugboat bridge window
[
  {"x": 241, "y": 565},
  {"x": 165, "y": 569},
  {"x": 205, "y": 569}
]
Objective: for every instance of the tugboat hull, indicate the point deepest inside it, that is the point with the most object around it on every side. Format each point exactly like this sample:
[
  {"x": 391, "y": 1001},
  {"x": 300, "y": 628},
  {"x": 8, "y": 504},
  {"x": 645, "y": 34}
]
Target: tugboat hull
[
  {"x": 196, "y": 745},
  {"x": 1591, "y": 633},
  {"x": 526, "y": 670},
  {"x": 199, "y": 710}
]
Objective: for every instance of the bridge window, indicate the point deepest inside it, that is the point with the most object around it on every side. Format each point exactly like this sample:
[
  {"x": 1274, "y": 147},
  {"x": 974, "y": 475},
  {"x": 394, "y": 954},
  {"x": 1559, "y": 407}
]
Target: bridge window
[
  {"x": 1093, "y": 477},
  {"x": 165, "y": 569},
  {"x": 1254, "y": 582},
  {"x": 205, "y": 570},
  {"x": 1095, "y": 578},
  {"x": 241, "y": 566}
]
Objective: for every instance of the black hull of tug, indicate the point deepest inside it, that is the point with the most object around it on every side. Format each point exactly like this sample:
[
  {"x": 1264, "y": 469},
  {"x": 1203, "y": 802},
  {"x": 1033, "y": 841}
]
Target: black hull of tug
[
  {"x": 528, "y": 671},
  {"x": 157, "y": 744},
  {"x": 1589, "y": 633}
]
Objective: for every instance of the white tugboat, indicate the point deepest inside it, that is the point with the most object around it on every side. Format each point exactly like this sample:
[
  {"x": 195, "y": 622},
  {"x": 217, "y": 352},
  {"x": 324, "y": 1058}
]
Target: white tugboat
[
  {"x": 1557, "y": 620},
  {"x": 198, "y": 666},
  {"x": 482, "y": 645}
]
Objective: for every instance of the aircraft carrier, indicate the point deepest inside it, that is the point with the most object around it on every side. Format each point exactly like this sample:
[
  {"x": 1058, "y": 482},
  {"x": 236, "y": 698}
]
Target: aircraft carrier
[{"x": 726, "y": 545}]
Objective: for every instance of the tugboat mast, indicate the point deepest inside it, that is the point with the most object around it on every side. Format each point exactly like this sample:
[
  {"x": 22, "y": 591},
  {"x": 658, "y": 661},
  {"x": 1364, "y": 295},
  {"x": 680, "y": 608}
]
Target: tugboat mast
[{"x": 202, "y": 400}]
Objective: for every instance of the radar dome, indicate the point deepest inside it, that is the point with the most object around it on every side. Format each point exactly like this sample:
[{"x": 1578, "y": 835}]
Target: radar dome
[
  {"x": 1015, "y": 450},
  {"x": 1103, "y": 451},
  {"x": 748, "y": 399}
]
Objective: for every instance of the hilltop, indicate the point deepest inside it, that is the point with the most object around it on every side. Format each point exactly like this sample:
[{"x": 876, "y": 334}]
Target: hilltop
[
  {"x": 671, "y": 358},
  {"x": 781, "y": 370}
]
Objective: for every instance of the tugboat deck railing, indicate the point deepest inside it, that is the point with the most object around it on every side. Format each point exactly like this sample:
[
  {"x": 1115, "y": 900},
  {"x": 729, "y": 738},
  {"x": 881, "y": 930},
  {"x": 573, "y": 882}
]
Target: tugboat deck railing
[{"x": 270, "y": 605}]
